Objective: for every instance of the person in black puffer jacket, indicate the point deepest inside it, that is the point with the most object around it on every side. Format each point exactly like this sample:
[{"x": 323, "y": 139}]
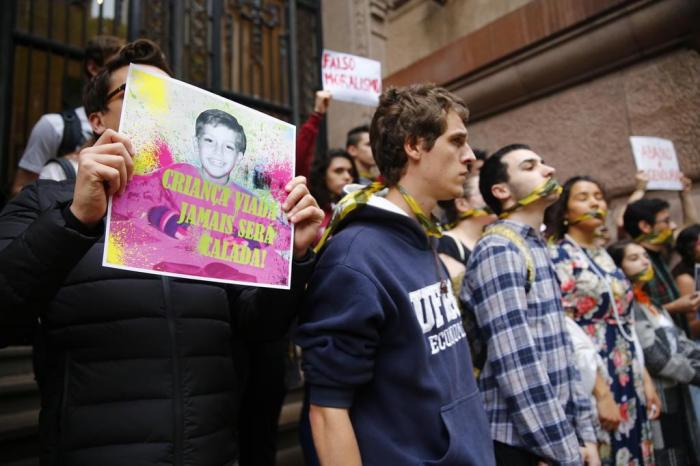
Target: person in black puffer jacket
[{"x": 138, "y": 369}]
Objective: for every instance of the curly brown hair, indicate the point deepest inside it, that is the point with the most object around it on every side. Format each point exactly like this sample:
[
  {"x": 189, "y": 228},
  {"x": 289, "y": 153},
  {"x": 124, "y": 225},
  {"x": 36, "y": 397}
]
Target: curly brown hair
[{"x": 413, "y": 114}]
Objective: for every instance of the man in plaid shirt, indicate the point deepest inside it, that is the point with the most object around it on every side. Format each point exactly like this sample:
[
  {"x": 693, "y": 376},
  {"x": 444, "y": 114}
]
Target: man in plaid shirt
[{"x": 531, "y": 387}]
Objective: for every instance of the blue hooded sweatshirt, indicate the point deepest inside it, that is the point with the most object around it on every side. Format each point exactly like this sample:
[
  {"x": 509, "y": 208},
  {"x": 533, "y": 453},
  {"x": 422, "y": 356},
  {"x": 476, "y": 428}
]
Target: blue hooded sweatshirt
[{"x": 382, "y": 339}]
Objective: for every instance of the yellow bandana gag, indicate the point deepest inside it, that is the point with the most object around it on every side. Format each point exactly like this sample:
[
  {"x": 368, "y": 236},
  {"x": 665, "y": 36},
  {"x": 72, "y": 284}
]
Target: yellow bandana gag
[
  {"x": 545, "y": 189},
  {"x": 367, "y": 175},
  {"x": 471, "y": 213},
  {"x": 600, "y": 214},
  {"x": 662, "y": 237},
  {"x": 474, "y": 213},
  {"x": 430, "y": 226},
  {"x": 360, "y": 198},
  {"x": 644, "y": 276}
]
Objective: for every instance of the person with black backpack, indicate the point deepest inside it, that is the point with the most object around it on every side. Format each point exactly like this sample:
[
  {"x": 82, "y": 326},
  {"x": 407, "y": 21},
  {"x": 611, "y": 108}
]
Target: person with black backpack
[{"x": 58, "y": 134}]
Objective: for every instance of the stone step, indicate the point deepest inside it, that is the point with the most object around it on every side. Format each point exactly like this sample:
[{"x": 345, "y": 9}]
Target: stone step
[
  {"x": 19, "y": 413},
  {"x": 16, "y": 360},
  {"x": 290, "y": 457},
  {"x": 18, "y": 393},
  {"x": 18, "y": 425},
  {"x": 19, "y": 439},
  {"x": 288, "y": 449},
  {"x": 19, "y": 442},
  {"x": 11, "y": 385}
]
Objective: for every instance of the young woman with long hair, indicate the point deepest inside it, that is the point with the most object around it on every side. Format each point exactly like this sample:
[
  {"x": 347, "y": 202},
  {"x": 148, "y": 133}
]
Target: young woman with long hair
[
  {"x": 330, "y": 173},
  {"x": 598, "y": 297}
]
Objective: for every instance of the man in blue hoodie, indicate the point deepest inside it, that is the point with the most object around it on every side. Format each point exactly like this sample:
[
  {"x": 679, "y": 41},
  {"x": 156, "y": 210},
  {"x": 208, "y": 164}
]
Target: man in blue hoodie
[{"x": 385, "y": 355}]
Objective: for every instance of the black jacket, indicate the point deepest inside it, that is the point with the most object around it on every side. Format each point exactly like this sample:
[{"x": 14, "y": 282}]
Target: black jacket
[{"x": 138, "y": 368}]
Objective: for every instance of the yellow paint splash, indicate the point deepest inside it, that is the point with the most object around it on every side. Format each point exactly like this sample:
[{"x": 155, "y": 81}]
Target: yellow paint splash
[
  {"x": 151, "y": 90},
  {"x": 115, "y": 251},
  {"x": 146, "y": 161}
]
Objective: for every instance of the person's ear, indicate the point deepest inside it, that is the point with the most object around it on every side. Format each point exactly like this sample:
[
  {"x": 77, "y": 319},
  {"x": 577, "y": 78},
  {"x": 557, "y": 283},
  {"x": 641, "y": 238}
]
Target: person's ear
[
  {"x": 412, "y": 147},
  {"x": 97, "y": 123},
  {"x": 91, "y": 67},
  {"x": 352, "y": 150},
  {"x": 644, "y": 227},
  {"x": 501, "y": 191},
  {"x": 462, "y": 205}
]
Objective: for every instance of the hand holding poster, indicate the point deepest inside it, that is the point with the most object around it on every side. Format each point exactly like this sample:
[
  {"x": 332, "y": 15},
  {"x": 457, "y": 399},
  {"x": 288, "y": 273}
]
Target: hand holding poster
[
  {"x": 209, "y": 177},
  {"x": 657, "y": 157},
  {"x": 351, "y": 78}
]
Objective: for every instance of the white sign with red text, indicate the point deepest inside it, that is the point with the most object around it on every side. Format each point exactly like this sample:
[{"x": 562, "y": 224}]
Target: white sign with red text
[
  {"x": 657, "y": 158},
  {"x": 350, "y": 78}
]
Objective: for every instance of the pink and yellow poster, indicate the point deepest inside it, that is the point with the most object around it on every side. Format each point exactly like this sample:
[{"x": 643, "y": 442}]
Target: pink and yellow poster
[{"x": 205, "y": 199}]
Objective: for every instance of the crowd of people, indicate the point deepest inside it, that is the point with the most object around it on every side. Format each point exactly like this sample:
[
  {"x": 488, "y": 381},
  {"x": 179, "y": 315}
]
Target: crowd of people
[{"x": 450, "y": 307}]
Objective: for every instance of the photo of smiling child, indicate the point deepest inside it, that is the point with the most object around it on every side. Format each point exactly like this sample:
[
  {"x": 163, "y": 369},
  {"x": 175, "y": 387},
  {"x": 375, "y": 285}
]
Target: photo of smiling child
[
  {"x": 220, "y": 141},
  {"x": 189, "y": 211}
]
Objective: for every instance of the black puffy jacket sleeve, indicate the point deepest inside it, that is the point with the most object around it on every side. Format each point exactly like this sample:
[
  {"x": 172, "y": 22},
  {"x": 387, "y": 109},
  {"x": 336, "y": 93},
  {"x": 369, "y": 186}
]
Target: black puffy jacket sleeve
[
  {"x": 265, "y": 314},
  {"x": 39, "y": 246}
]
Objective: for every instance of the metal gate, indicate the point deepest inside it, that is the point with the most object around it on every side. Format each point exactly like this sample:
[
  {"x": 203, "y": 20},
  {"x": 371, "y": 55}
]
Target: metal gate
[{"x": 261, "y": 53}]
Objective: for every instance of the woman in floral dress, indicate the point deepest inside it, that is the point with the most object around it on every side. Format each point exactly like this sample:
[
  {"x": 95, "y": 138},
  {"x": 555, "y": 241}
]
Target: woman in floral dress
[
  {"x": 589, "y": 278},
  {"x": 671, "y": 357}
]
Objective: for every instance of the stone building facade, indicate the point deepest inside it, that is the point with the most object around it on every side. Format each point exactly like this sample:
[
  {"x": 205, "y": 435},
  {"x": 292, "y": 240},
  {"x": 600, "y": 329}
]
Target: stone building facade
[{"x": 573, "y": 79}]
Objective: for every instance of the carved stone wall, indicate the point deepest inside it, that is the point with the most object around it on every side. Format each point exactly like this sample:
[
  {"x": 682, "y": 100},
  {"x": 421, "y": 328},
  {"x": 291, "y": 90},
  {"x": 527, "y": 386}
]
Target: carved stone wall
[
  {"x": 573, "y": 79},
  {"x": 419, "y": 27},
  {"x": 585, "y": 129},
  {"x": 581, "y": 122},
  {"x": 396, "y": 37}
]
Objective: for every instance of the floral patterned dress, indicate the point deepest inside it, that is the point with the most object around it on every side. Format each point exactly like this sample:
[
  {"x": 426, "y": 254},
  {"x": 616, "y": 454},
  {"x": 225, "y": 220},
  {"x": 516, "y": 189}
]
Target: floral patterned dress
[{"x": 582, "y": 274}]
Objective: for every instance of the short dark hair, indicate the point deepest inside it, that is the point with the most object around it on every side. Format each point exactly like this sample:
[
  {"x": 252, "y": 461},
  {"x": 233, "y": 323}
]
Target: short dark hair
[
  {"x": 141, "y": 51},
  {"x": 317, "y": 176},
  {"x": 495, "y": 171},
  {"x": 555, "y": 214},
  {"x": 100, "y": 48},
  {"x": 685, "y": 244},
  {"x": 643, "y": 209},
  {"x": 216, "y": 117},
  {"x": 409, "y": 114},
  {"x": 617, "y": 251},
  {"x": 355, "y": 134},
  {"x": 480, "y": 154}
]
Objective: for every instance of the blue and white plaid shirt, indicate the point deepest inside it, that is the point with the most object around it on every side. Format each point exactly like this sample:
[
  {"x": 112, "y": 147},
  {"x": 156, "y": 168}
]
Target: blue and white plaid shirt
[{"x": 530, "y": 384}]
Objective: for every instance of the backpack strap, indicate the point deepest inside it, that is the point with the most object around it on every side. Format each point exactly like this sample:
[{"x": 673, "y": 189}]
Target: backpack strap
[
  {"x": 72, "y": 133},
  {"x": 476, "y": 342},
  {"x": 66, "y": 166},
  {"x": 519, "y": 242}
]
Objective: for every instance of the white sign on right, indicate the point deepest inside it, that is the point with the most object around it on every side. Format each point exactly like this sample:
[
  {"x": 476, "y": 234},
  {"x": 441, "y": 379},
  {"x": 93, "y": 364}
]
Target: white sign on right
[{"x": 657, "y": 158}]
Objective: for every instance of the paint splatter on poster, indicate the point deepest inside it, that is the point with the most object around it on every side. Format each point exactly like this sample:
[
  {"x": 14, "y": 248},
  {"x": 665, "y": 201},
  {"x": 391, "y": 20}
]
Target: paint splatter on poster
[{"x": 205, "y": 198}]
